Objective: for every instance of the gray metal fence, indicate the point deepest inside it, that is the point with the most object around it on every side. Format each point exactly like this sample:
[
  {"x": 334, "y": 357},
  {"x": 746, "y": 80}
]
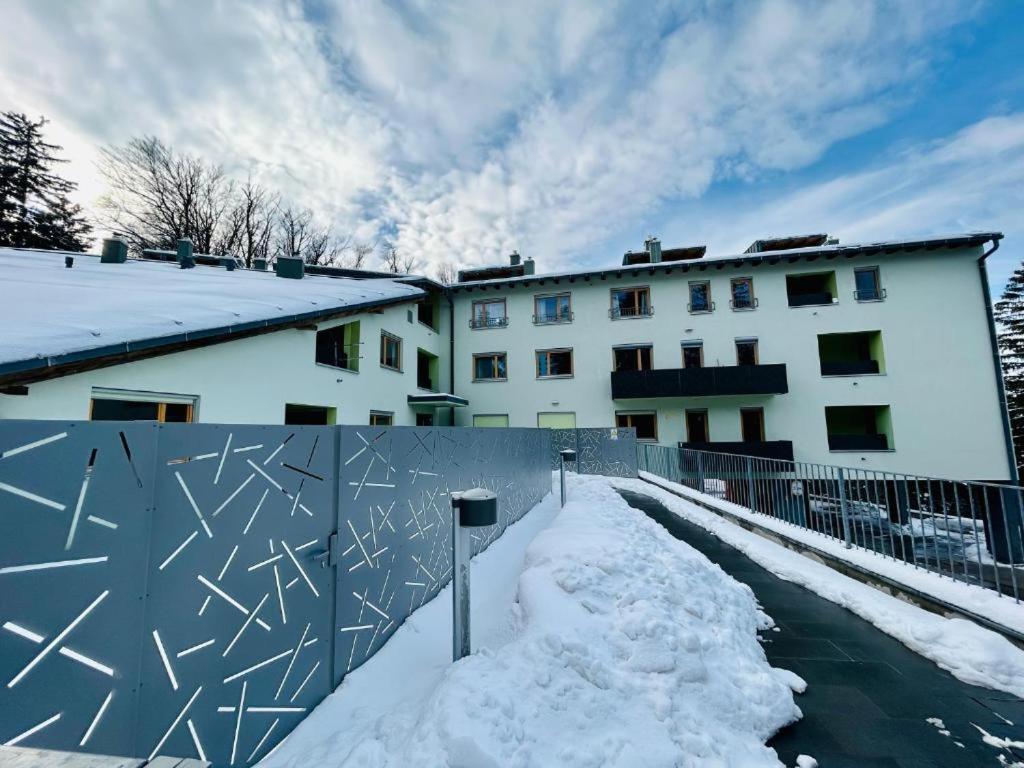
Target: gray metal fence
[
  {"x": 195, "y": 589},
  {"x": 609, "y": 451},
  {"x": 967, "y": 531}
]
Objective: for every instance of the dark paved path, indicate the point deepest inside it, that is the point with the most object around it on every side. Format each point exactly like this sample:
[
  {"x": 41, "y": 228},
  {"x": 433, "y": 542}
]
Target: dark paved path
[{"x": 868, "y": 696}]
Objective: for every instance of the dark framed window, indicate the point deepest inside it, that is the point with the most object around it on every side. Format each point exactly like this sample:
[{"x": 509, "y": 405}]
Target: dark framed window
[
  {"x": 489, "y": 313},
  {"x": 425, "y": 313},
  {"x": 490, "y": 366},
  {"x": 553, "y": 308},
  {"x": 645, "y": 424},
  {"x": 697, "y": 426},
  {"x": 338, "y": 347},
  {"x": 631, "y": 302},
  {"x": 309, "y": 414},
  {"x": 122, "y": 409},
  {"x": 742, "y": 289},
  {"x": 381, "y": 418},
  {"x": 868, "y": 284},
  {"x": 554, "y": 363},
  {"x": 634, "y": 357},
  {"x": 700, "y": 297},
  {"x": 746, "y": 352},
  {"x": 390, "y": 351},
  {"x": 693, "y": 354},
  {"x": 752, "y": 425}
]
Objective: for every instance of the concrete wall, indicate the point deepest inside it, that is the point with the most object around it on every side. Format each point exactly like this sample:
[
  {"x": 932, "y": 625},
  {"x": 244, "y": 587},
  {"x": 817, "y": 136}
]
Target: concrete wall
[
  {"x": 249, "y": 381},
  {"x": 938, "y": 381}
]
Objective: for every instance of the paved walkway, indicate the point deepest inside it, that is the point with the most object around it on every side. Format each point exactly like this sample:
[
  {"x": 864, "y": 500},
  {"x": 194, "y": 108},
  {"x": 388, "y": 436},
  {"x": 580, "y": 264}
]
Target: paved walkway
[{"x": 868, "y": 697}]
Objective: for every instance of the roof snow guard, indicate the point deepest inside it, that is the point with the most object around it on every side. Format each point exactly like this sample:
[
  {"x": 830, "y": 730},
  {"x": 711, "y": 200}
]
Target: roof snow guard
[
  {"x": 58, "y": 320},
  {"x": 828, "y": 251}
]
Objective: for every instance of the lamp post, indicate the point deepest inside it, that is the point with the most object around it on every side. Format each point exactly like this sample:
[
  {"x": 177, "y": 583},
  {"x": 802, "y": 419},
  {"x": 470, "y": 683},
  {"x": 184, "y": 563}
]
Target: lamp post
[
  {"x": 475, "y": 508},
  {"x": 567, "y": 455}
]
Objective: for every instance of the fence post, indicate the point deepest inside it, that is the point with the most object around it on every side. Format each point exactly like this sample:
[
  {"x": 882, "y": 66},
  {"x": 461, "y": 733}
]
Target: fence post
[
  {"x": 752, "y": 499},
  {"x": 843, "y": 509},
  {"x": 700, "y": 472}
]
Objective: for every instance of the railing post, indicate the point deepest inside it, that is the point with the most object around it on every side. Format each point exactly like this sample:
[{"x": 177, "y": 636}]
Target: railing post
[
  {"x": 843, "y": 508},
  {"x": 752, "y": 499},
  {"x": 700, "y": 472}
]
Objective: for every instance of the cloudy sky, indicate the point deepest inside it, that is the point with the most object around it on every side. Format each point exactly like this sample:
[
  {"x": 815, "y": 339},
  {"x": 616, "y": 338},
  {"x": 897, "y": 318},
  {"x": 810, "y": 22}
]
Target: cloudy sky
[{"x": 568, "y": 130}]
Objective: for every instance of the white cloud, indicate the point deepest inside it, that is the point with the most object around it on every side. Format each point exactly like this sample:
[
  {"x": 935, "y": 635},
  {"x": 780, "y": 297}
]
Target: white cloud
[{"x": 468, "y": 130}]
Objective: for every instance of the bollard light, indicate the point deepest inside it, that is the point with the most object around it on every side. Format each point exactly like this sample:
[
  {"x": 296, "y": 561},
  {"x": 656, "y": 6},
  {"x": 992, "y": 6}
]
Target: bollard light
[
  {"x": 567, "y": 455},
  {"x": 471, "y": 509}
]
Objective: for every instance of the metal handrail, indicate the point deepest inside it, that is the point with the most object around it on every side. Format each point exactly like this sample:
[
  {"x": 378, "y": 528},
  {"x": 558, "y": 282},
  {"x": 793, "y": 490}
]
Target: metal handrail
[
  {"x": 553, "y": 319},
  {"x": 488, "y": 322},
  {"x": 751, "y": 304},
  {"x": 869, "y": 295},
  {"x": 618, "y": 313},
  {"x": 710, "y": 308}
]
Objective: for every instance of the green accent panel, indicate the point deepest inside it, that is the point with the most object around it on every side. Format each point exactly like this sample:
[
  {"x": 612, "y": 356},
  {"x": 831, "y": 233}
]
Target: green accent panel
[
  {"x": 351, "y": 342},
  {"x": 877, "y": 351},
  {"x": 497, "y": 420},
  {"x": 556, "y": 420}
]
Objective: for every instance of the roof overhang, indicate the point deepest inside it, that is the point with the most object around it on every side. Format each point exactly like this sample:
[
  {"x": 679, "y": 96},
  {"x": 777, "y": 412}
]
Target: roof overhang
[{"x": 435, "y": 399}]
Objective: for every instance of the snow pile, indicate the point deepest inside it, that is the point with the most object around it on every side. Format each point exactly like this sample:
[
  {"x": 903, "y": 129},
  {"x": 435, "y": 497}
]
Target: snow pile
[
  {"x": 968, "y": 651},
  {"x": 625, "y": 648}
]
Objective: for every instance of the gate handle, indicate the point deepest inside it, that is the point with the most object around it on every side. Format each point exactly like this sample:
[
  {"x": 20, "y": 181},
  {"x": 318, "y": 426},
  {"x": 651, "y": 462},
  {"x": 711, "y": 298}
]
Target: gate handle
[{"x": 328, "y": 557}]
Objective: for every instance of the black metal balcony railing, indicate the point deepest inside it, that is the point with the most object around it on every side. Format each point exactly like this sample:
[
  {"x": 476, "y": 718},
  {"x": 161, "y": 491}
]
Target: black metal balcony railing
[
  {"x": 809, "y": 299},
  {"x": 553, "y": 318},
  {"x": 849, "y": 368},
  {"x": 869, "y": 294},
  {"x": 619, "y": 313},
  {"x": 488, "y": 322},
  {"x": 701, "y": 382},
  {"x": 743, "y": 303},
  {"x": 858, "y": 443},
  {"x": 696, "y": 308},
  {"x": 764, "y": 449}
]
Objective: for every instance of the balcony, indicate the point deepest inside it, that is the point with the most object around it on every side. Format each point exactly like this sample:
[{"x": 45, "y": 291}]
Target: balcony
[
  {"x": 701, "y": 382},
  {"x": 869, "y": 294},
  {"x": 553, "y": 318},
  {"x": 781, "y": 450},
  {"x": 476, "y": 323},
  {"x": 858, "y": 443},
  {"x": 849, "y": 368},
  {"x": 625, "y": 313}
]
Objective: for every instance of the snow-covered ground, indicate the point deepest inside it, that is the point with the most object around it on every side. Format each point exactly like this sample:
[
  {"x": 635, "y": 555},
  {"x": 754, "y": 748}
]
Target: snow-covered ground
[
  {"x": 968, "y": 651},
  {"x": 601, "y": 640}
]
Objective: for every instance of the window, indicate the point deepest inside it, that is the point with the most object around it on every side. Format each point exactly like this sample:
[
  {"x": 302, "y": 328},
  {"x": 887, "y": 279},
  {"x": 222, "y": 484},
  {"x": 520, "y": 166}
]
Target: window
[
  {"x": 489, "y": 313},
  {"x": 700, "y": 297},
  {"x": 338, "y": 347},
  {"x": 426, "y": 370},
  {"x": 381, "y": 418},
  {"x": 752, "y": 425},
  {"x": 556, "y": 308},
  {"x": 309, "y": 414},
  {"x": 859, "y": 428},
  {"x": 424, "y": 419},
  {"x": 812, "y": 290},
  {"x": 556, "y": 420},
  {"x": 869, "y": 284},
  {"x": 693, "y": 354},
  {"x": 742, "y": 293},
  {"x": 490, "y": 366},
  {"x": 633, "y": 357},
  {"x": 552, "y": 363},
  {"x": 746, "y": 351},
  {"x": 697, "y": 427},
  {"x": 125, "y": 405},
  {"x": 631, "y": 302},
  {"x": 490, "y": 420},
  {"x": 390, "y": 351},
  {"x": 851, "y": 354},
  {"x": 425, "y": 313},
  {"x": 645, "y": 424}
]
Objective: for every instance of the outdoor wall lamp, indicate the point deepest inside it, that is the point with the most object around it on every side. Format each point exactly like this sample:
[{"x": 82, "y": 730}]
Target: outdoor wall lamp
[
  {"x": 475, "y": 508},
  {"x": 567, "y": 455}
]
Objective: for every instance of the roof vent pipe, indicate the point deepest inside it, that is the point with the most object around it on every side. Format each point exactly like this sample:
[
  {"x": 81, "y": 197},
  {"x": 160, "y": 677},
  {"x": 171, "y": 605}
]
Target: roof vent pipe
[
  {"x": 653, "y": 246},
  {"x": 185, "y": 258},
  {"x": 528, "y": 267},
  {"x": 514, "y": 258},
  {"x": 115, "y": 250}
]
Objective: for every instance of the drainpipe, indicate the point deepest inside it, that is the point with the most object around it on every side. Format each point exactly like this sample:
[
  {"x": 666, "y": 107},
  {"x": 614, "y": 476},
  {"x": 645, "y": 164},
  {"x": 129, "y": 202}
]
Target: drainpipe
[
  {"x": 997, "y": 360},
  {"x": 451, "y": 348}
]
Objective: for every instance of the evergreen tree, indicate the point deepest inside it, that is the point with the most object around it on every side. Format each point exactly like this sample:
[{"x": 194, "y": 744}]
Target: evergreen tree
[
  {"x": 35, "y": 210},
  {"x": 1009, "y": 313}
]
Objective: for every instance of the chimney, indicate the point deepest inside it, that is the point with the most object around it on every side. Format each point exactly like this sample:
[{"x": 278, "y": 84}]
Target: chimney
[
  {"x": 653, "y": 246},
  {"x": 185, "y": 258},
  {"x": 290, "y": 267},
  {"x": 115, "y": 250},
  {"x": 260, "y": 264},
  {"x": 528, "y": 267},
  {"x": 514, "y": 258}
]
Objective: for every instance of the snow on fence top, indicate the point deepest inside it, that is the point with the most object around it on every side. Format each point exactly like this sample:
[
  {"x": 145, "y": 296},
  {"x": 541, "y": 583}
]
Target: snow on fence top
[{"x": 48, "y": 310}]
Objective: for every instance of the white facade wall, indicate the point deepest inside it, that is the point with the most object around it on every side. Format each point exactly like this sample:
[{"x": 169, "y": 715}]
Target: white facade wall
[
  {"x": 249, "y": 381},
  {"x": 939, "y": 379}
]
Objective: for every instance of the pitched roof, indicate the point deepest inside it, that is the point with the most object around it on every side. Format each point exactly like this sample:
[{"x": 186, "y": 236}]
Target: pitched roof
[{"x": 52, "y": 316}]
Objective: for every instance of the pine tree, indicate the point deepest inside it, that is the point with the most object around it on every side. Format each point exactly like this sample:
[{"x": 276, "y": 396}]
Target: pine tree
[
  {"x": 1009, "y": 313},
  {"x": 35, "y": 210}
]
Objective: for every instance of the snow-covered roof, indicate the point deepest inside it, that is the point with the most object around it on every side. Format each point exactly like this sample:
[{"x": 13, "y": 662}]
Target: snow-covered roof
[
  {"x": 51, "y": 314},
  {"x": 965, "y": 240}
]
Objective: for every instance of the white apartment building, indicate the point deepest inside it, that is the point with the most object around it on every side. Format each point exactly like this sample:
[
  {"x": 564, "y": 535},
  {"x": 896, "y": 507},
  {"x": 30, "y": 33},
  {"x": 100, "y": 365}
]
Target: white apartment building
[{"x": 880, "y": 356}]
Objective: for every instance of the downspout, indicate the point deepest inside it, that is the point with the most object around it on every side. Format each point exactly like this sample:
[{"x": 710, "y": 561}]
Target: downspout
[
  {"x": 451, "y": 348},
  {"x": 997, "y": 362}
]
